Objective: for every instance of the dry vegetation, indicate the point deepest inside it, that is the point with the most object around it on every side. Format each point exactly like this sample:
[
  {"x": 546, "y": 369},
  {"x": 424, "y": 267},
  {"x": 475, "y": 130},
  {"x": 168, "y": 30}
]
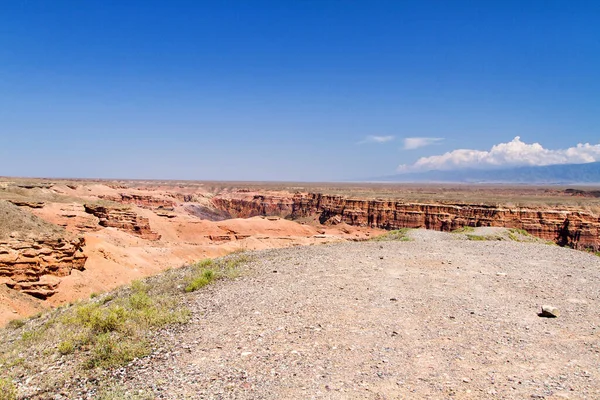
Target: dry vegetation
[
  {"x": 15, "y": 219},
  {"x": 107, "y": 330},
  {"x": 394, "y": 235}
]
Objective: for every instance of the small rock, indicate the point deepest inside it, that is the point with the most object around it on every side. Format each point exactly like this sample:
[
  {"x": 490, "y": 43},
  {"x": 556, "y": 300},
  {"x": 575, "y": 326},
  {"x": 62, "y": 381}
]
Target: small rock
[{"x": 549, "y": 311}]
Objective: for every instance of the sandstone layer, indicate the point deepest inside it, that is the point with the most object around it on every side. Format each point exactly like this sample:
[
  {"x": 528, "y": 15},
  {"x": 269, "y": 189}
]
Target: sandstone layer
[
  {"x": 123, "y": 219},
  {"x": 33, "y": 266},
  {"x": 566, "y": 227}
]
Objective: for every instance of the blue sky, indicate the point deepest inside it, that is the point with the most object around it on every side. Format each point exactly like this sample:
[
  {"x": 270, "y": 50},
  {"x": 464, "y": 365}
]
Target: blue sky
[{"x": 293, "y": 90}]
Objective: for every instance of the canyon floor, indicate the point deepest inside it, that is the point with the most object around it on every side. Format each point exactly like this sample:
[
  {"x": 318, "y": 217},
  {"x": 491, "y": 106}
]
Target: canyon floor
[{"x": 432, "y": 315}]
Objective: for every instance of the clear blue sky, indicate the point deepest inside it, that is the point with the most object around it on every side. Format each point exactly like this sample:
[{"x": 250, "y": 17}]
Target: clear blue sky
[{"x": 287, "y": 90}]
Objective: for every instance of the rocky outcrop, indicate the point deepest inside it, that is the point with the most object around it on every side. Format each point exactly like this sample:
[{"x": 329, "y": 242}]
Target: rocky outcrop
[
  {"x": 140, "y": 200},
  {"x": 123, "y": 219},
  {"x": 247, "y": 206},
  {"x": 33, "y": 266},
  {"x": 567, "y": 227},
  {"x": 30, "y": 204}
]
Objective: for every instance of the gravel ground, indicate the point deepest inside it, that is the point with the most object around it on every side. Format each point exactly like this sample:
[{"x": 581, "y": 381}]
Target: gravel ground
[{"x": 437, "y": 317}]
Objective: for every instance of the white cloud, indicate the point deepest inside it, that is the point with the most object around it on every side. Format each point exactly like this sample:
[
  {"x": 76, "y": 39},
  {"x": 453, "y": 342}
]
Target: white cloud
[
  {"x": 511, "y": 154},
  {"x": 376, "y": 139},
  {"x": 412, "y": 143}
]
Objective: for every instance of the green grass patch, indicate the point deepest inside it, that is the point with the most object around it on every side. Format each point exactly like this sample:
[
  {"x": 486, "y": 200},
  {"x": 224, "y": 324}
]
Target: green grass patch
[
  {"x": 464, "y": 229},
  {"x": 394, "y": 235},
  {"x": 518, "y": 231},
  {"x": 8, "y": 391},
  {"x": 207, "y": 271},
  {"x": 478, "y": 237},
  {"x": 484, "y": 237},
  {"x": 205, "y": 277}
]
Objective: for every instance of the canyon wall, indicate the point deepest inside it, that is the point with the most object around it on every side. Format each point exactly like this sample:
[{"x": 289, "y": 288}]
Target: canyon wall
[
  {"x": 577, "y": 229},
  {"x": 566, "y": 227},
  {"x": 243, "y": 205},
  {"x": 33, "y": 266}
]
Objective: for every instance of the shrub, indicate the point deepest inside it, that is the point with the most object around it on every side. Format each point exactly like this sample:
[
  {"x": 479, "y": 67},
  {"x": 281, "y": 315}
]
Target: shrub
[
  {"x": 16, "y": 323},
  {"x": 111, "y": 350},
  {"x": 66, "y": 347},
  {"x": 205, "y": 277}
]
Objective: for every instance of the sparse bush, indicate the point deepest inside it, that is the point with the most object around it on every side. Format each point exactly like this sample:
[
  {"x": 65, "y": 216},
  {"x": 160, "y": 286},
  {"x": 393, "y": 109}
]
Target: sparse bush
[
  {"x": 205, "y": 277},
  {"x": 8, "y": 391},
  {"x": 16, "y": 323},
  {"x": 481, "y": 237},
  {"x": 464, "y": 229},
  {"x": 112, "y": 329},
  {"x": 394, "y": 235},
  {"x": 66, "y": 347},
  {"x": 207, "y": 262},
  {"x": 111, "y": 350}
]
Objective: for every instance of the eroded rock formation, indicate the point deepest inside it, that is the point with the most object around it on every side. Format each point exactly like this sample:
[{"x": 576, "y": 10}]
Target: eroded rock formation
[
  {"x": 244, "y": 205},
  {"x": 33, "y": 266},
  {"x": 123, "y": 219},
  {"x": 567, "y": 227},
  {"x": 145, "y": 201},
  {"x": 577, "y": 229}
]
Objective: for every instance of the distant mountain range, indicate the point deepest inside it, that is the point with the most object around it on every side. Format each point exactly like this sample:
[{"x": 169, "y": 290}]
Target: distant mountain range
[{"x": 588, "y": 173}]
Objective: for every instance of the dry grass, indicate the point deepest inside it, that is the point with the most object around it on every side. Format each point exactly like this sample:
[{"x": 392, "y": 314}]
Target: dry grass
[
  {"x": 8, "y": 391},
  {"x": 108, "y": 330},
  {"x": 394, "y": 235},
  {"x": 14, "y": 219}
]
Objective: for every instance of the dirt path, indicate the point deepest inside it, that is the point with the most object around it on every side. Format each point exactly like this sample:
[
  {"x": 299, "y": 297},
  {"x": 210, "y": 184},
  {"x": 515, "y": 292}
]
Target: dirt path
[{"x": 435, "y": 317}]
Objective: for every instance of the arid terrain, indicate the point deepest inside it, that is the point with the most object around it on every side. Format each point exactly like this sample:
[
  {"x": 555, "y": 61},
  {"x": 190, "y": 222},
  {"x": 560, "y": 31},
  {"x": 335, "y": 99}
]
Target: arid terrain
[
  {"x": 62, "y": 240},
  {"x": 357, "y": 313}
]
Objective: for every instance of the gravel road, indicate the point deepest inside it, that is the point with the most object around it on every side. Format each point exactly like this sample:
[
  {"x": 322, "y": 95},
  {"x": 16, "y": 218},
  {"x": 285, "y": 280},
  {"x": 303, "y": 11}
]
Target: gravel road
[{"x": 436, "y": 317}]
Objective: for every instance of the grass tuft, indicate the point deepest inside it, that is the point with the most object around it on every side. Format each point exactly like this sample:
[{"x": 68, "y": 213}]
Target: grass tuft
[
  {"x": 394, "y": 235},
  {"x": 8, "y": 391},
  {"x": 16, "y": 323},
  {"x": 205, "y": 277},
  {"x": 464, "y": 229}
]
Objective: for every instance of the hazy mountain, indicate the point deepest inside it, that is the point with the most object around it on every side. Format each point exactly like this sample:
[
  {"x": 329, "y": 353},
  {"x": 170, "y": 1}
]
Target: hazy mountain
[{"x": 550, "y": 174}]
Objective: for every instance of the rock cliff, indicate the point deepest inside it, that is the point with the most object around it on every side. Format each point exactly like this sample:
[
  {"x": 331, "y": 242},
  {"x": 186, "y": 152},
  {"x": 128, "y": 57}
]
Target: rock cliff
[
  {"x": 567, "y": 227},
  {"x": 564, "y": 226},
  {"x": 123, "y": 219},
  {"x": 244, "y": 205},
  {"x": 33, "y": 266}
]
